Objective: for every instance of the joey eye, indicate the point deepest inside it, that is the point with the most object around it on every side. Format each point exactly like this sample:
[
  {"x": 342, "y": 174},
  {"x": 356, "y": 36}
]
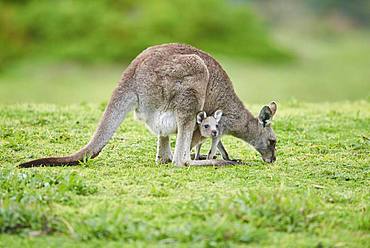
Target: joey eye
[
  {"x": 206, "y": 126},
  {"x": 216, "y": 126}
]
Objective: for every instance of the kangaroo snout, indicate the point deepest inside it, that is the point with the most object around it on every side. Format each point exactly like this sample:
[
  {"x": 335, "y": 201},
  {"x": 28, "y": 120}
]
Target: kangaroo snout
[
  {"x": 214, "y": 133},
  {"x": 270, "y": 159}
]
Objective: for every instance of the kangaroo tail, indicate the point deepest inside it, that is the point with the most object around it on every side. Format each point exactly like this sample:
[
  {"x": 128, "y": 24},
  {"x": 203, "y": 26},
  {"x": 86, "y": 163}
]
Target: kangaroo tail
[{"x": 121, "y": 102}]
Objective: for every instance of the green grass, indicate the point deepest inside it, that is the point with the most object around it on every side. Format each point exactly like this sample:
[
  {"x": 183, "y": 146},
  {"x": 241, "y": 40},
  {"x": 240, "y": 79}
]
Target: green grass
[
  {"x": 333, "y": 69},
  {"x": 315, "y": 195}
]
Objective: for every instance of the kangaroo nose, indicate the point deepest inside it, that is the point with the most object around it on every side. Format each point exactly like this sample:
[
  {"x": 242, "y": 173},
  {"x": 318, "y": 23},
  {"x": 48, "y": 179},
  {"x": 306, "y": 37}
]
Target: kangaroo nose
[
  {"x": 270, "y": 160},
  {"x": 214, "y": 133}
]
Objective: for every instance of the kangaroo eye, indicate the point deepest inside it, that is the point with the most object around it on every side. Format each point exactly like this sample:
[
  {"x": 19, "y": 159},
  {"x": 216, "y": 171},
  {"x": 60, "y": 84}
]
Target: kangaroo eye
[
  {"x": 216, "y": 126},
  {"x": 206, "y": 126}
]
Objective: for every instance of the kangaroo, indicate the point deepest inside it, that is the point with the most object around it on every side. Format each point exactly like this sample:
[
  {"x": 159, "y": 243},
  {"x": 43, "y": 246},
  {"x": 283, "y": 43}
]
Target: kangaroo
[
  {"x": 167, "y": 85},
  {"x": 208, "y": 127}
]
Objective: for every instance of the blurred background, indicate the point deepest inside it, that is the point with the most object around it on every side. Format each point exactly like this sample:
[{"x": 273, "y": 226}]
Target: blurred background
[{"x": 75, "y": 51}]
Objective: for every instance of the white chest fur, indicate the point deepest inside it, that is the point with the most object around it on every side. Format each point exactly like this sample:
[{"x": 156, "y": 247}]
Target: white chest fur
[{"x": 160, "y": 123}]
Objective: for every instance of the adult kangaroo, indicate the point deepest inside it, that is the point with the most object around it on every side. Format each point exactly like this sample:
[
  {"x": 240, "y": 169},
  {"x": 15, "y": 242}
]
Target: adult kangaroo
[{"x": 168, "y": 85}]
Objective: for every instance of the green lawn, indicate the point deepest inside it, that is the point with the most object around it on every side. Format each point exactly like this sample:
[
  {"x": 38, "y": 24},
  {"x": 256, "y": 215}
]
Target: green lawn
[{"x": 315, "y": 195}]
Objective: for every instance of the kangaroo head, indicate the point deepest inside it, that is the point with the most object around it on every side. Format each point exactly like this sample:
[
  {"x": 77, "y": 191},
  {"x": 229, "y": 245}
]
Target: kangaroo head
[
  {"x": 208, "y": 126},
  {"x": 264, "y": 139}
]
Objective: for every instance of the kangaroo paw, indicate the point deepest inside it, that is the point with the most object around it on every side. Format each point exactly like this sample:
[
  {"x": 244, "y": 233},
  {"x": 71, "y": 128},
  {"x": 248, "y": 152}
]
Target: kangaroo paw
[
  {"x": 239, "y": 161},
  {"x": 201, "y": 157},
  {"x": 164, "y": 159},
  {"x": 212, "y": 162}
]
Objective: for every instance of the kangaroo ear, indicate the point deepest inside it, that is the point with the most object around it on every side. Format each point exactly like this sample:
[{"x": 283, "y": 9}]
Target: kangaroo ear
[
  {"x": 218, "y": 115},
  {"x": 265, "y": 116},
  {"x": 273, "y": 107},
  {"x": 201, "y": 116},
  {"x": 266, "y": 113}
]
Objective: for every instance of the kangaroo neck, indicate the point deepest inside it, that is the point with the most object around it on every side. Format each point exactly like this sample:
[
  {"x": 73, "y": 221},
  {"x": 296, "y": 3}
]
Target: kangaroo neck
[{"x": 241, "y": 123}]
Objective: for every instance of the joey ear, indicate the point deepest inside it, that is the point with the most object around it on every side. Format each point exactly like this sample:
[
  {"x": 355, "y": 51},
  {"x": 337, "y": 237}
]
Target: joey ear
[
  {"x": 265, "y": 115},
  {"x": 218, "y": 115},
  {"x": 201, "y": 116}
]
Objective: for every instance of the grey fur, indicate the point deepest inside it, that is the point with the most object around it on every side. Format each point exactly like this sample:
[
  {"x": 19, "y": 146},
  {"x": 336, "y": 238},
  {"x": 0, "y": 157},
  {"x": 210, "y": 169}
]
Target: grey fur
[{"x": 168, "y": 85}]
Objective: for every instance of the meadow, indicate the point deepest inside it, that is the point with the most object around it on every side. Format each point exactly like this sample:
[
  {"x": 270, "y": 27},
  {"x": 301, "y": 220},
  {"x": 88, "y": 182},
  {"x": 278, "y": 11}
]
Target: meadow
[
  {"x": 315, "y": 195},
  {"x": 325, "y": 69}
]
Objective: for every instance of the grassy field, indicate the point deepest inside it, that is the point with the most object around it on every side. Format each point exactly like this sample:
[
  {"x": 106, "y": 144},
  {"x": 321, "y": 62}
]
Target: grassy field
[
  {"x": 315, "y": 195},
  {"x": 325, "y": 69}
]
